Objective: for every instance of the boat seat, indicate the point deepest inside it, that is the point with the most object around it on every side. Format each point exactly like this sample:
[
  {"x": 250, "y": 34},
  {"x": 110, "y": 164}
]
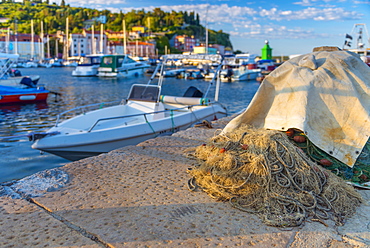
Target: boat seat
[{"x": 193, "y": 92}]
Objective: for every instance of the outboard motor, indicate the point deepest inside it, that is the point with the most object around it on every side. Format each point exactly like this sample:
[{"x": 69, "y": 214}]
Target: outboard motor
[
  {"x": 193, "y": 92},
  {"x": 28, "y": 82}
]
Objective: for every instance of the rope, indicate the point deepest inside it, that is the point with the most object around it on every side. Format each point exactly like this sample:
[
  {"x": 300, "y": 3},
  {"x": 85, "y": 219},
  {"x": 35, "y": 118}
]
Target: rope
[
  {"x": 264, "y": 173},
  {"x": 146, "y": 120},
  {"x": 191, "y": 110}
]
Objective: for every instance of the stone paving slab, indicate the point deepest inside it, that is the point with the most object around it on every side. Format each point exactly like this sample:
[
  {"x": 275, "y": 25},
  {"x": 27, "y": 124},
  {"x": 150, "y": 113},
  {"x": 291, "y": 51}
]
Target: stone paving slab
[
  {"x": 23, "y": 224},
  {"x": 137, "y": 196}
]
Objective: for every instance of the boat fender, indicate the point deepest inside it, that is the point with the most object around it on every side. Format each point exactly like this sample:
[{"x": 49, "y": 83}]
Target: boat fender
[
  {"x": 184, "y": 100},
  {"x": 27, "y": 97}
]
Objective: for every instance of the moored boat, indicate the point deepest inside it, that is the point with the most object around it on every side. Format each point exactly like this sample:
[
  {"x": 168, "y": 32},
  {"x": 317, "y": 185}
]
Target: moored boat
[
  {"x": 13, "y": 77},
  {"x": 145, "y": 114},
  {"x": 10, "y": 95},
  {"x": 241, "y": 73},
  {"x": 120, "y": 66},
  {"x": 88, "y": 66}
]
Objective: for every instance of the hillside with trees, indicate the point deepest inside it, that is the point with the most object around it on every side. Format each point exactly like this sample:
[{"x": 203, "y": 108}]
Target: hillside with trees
[{"x": 53, "y": 17}]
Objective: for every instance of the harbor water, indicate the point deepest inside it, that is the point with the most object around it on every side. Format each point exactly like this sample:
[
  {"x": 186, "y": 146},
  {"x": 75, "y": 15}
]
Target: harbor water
[{"x": 18, "y": 159}]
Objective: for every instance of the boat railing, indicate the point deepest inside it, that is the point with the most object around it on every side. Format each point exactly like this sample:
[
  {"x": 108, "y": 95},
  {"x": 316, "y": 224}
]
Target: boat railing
[
  {"x": 84, "y": 109},
  {"x": 145, "y": 115},
  {"x": 5, "y": 66}
]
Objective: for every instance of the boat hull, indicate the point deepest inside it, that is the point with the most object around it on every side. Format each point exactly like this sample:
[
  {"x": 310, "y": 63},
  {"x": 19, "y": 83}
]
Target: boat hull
[
  {"x": 120, "y": 66},
  {"x": 23, "y": 98},
  {"x": 86, "y": 144},
  {"x": 85, "y": 71},
  {"x": 122, "y": 73},
  {"x": 20, "y": 95}
]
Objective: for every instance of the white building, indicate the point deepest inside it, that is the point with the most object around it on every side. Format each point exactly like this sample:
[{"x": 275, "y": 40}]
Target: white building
[{"x": 87, "y": 43}]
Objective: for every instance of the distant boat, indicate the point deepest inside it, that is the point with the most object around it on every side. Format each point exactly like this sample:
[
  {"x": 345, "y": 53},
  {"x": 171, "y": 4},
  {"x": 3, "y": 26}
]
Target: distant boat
[
  {"x": 242, "y": 67},
  {"x": 88, "y": 66},
  {"x": 10, "y": 94},
  {"x": 236, "y": 73},
  {"x": 241, "y": 74},
  {"x": 143, "y": 115},
  {"x": 120, "y": 66},
  {"x": 56, "y": 62}
]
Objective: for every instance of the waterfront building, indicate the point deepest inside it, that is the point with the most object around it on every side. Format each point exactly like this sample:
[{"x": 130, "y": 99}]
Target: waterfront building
[
  {"x": 87, "y": 43},
  {"x": 183, "y": 43},
  {"x": 202, "y": 50},
  {"x": 25, "y": 45},
  {"x": 134, "y": 48}
]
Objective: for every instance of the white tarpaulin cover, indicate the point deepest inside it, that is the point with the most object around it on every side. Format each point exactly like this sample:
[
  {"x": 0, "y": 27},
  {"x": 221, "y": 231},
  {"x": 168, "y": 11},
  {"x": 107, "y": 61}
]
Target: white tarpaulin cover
[{"x": 326, "y": 94}]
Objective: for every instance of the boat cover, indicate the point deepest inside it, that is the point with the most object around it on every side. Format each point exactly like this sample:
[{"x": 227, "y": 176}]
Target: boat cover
[{"x": 326, "y": 94}]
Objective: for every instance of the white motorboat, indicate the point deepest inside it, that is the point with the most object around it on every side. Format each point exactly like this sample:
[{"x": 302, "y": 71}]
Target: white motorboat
[
  {"x": 120, "y": 66},
  {"x": 88, "y": 66},
  {"x": 143, "y": 115},
  {"x": 240, "y": 73},
  {"x": 13, "y": 77}
]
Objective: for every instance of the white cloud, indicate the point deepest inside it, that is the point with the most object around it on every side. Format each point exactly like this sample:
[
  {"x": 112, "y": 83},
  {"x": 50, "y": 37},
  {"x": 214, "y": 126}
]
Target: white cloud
[
  {"x": 249, "y": 22},
  {"x": 317, "y": 2},
  {"x": 327, "y": 14},
  {"x": 277, "y": 32},
  {"x": 362, "y": 2}
]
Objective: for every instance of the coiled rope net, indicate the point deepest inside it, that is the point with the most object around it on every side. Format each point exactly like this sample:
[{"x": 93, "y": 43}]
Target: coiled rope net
[{"x": 262, "y": 172}]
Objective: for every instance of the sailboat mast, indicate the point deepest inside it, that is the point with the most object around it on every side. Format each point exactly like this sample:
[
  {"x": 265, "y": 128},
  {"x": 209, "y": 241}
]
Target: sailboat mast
[
  {"x": 207, "y": 31},
  {"x": 66, "y": 55},
  {"x": 124, "y": 37},
  {"x": 7, "y": 40},
  {"x": 32, "y": 40},
  {"x": 42, "y": 55},
  {"x": 101, "y": 37},
  {"x": 48, "y": 45},
  {"x": 56, "y": 48},
  {"x": 16, "y": 36},
  {"x": 93, "y": 40}
]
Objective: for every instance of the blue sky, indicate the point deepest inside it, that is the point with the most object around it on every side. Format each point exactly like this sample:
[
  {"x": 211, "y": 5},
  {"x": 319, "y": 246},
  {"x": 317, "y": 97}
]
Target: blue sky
[{"x": 291, "y": 27}]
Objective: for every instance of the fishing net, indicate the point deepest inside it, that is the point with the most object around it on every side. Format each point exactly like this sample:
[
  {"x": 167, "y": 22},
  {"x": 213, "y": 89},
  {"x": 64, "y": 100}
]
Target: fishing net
[
  {"x": 359, "y": 174},
  {"x": 262, "y": 172}
]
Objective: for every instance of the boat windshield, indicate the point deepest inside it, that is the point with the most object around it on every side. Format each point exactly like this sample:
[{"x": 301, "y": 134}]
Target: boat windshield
[
  {"x": 108, "y": 60},
  {"x": 144, "y": 93},
  {"x": 89, "y": 61},
  {"x": 129, "y": 60}
]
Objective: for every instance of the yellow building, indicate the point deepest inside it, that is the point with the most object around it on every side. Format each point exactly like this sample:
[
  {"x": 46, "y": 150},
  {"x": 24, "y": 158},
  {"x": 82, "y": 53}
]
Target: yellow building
[
  {"x": 140, "y": 29},
  {"x": 202, "y": 50}
]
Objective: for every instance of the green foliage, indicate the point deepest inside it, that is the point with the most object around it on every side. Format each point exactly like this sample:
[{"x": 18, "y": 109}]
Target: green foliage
[{"x": 54, "y": 17}]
